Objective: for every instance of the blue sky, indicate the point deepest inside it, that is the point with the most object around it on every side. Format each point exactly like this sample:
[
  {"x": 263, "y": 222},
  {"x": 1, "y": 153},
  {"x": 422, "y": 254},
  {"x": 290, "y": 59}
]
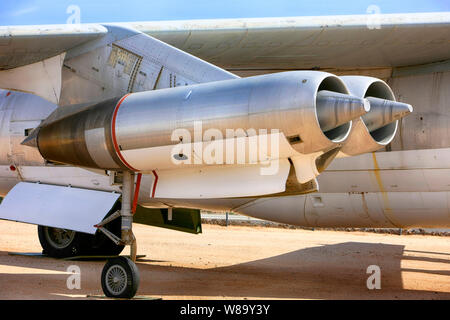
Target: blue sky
[{"x": 17, "y": 12}]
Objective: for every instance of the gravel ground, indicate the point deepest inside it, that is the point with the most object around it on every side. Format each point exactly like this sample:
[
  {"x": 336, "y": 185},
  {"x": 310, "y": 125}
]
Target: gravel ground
[{"x": 242, "y": 262}]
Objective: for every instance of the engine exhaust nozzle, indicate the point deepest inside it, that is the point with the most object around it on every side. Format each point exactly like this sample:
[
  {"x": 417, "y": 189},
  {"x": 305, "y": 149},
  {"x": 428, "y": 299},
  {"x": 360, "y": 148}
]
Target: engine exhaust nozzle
[
  {"x": 383, "y": 112},
  {"x": 335, "y": 109}
]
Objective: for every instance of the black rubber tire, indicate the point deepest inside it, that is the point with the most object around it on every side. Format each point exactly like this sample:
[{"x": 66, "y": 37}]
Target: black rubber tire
[
  {"x": 77, "y": 245},
  {"x": 129, "y": 277}
]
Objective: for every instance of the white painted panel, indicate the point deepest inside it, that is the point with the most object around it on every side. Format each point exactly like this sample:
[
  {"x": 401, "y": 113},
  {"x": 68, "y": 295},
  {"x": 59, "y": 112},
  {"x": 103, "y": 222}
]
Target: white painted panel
[
  {"x": 410, "y": 159},
  {"x": 186, "y": 67},
  {"x": 437, "y": 180},
  {"x": 8, "y": 179},
  {"x": 402, "y": 180},
  {"x": 420, "y": 180},
  {"x": 66, "y": 175},
  {"x": 305, "y": 166},
  {"x": 347, "y": 181},
  {"x": 417, "y": 209},
  {"x": 220, "y": 182},
  {"x": 288, "y": 210},
  {"x": 230, "y": 152},
  {"x": 426, "y": 88},
  {"x": 358, "y": 210},
  {"x": 56, "y": 206},
  {"x": 5, "y": 146},
  {"x": 42, "y": 78}
]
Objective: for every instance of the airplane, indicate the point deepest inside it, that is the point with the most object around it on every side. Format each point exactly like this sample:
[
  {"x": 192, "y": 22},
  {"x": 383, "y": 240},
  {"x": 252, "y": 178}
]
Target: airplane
[{"x": 108, "y": 124}]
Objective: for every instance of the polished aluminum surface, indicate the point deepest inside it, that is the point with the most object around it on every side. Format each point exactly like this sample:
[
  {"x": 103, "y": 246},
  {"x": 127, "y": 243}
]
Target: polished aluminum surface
[
  {"x": 384, "y": 112},
  {"x": 284, "y": 101},
  {"x": 19, "y": 114},
  {"x": 130, "y": 61},
  {"x": 361, "y": 140},
  {"x": 83, "y": 138},
  {"x": 335, "y": 109},
  {"x": 96, "y": 135}
]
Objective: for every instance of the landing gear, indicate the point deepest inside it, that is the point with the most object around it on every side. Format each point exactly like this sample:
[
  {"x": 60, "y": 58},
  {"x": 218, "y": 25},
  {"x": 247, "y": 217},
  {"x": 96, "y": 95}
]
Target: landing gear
[{"x": 120, "y": 278}]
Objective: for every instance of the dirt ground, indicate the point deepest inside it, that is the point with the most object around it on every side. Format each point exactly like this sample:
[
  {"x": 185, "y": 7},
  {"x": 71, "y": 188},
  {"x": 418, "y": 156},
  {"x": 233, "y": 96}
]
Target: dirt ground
[{"x": 242, "y": 263}]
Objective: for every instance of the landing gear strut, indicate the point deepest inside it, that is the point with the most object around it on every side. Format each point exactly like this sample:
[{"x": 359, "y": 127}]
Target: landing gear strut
[{"x": 120, "y": 276}]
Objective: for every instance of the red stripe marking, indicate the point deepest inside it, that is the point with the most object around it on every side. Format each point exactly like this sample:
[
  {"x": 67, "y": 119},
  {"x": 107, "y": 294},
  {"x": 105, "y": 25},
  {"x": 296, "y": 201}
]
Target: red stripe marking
[
  {"x": 113, "y": 133},
  {"x": 9, "y": 92},
  {"x": 136, "y": 192},
  {"x": 154, "y": 183}
]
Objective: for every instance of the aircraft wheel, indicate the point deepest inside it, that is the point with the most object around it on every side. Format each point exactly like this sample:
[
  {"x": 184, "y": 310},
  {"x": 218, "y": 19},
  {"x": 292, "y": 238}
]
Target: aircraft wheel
[
  {"x": 120, "y": 278},
  {"x": 62, "y": 243}
]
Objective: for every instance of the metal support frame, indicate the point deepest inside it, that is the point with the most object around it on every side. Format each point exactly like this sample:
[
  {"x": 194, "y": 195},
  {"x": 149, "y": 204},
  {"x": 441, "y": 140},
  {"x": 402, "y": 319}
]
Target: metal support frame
[
  {"x": 115, "y": 215},
  {"x": 126, "y": 214},
  {"x": 127, "y": 235},
  {"x": 111, "y": 235},
  {"x": 106, "y": 232}
]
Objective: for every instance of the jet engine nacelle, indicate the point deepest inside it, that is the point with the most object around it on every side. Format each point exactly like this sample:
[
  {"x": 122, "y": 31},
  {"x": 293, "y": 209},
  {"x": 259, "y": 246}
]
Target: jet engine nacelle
[
  {"x": 377, "y": 128},
  {"x": 312, "y": 109}
]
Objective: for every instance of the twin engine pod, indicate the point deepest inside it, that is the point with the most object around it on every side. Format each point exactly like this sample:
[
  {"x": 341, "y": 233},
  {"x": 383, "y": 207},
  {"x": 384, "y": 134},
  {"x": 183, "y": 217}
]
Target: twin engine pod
[
  {"x": 377, "y": 128},
  {"x": 314, "y": 110}
]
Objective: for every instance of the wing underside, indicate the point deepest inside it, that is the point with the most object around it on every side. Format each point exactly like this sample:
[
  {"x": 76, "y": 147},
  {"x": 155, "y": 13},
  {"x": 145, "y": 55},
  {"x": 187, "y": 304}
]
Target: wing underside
[
  {"x": 325, "y": 42},
  {"x": 356, "y": 41},
  {"x": 22, "y": 45}
]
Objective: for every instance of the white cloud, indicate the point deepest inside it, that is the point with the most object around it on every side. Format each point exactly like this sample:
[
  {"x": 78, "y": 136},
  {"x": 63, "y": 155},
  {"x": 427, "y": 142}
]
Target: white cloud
[{"x": 24, "y": 11}]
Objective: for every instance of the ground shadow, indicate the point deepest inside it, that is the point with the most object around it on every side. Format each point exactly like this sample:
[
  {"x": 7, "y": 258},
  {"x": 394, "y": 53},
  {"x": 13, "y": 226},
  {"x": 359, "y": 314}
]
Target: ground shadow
[
  {"x": 305, "y": 273},
  {"x": 337, "y": 271}
]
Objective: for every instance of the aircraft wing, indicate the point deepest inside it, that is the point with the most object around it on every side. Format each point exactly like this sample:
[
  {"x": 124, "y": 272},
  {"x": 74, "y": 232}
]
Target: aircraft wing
[
  {"x": 345, "y": 41},
  {"x": 322, "y": 42},
  {"x": 337, "y": 44},
  {"x": 71, "y": 64},
  {"x": 22, "y": 45},
  {"x": 36, "y": 53}
]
